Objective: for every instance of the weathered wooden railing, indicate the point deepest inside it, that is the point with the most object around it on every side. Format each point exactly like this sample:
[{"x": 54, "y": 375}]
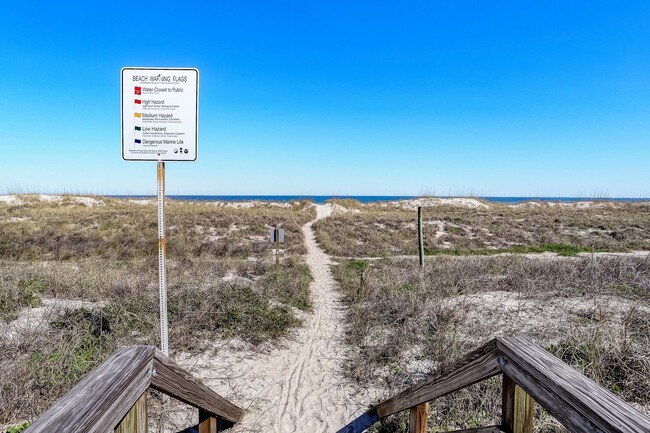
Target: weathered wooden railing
[
  {"x": 113, "y": 397},
  {"x": 529, "y": 374}
]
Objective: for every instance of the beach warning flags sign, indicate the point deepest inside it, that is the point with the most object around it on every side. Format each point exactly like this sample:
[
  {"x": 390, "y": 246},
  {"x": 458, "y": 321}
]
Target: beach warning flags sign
[{"x": 159, "y": 110}]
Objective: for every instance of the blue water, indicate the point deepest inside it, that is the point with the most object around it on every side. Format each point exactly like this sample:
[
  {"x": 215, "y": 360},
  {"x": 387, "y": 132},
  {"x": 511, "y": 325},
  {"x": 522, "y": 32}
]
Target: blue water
[{"x": 320, "y": 199}]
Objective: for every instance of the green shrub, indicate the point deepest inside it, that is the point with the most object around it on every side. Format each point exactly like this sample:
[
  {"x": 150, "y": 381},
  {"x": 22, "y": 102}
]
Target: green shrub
[{"x": 18, "y": 428}]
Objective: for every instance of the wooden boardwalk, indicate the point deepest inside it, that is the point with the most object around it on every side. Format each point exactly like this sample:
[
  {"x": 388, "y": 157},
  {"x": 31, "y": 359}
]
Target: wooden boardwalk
[
  {"x": 112, "y": 398},
  {"x": 530, "y": 374}
]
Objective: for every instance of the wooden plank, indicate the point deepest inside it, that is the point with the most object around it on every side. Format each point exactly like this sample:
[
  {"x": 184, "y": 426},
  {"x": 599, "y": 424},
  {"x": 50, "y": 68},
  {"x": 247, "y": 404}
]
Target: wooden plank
[
  {"x": 564, "y": 413},
  {"x": 173, "y": 380},
  {"x": 474, "y": 367},
  {"x": 418, "y": 418},
  {"x": 135, "y": 421},
  {"x": 576, "y": 401},
  {"x": 103, "y": 397},
  {"x": 207, "y": 422},
  {"x": 142, "y": 414},
  {"x": 524, "y": 412},
  {"x": 508, "y": 404}
]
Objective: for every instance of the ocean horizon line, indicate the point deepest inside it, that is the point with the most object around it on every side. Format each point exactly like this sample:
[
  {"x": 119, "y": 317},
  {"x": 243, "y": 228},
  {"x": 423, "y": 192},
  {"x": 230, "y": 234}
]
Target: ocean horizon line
[{"x": 320, "y": 199}]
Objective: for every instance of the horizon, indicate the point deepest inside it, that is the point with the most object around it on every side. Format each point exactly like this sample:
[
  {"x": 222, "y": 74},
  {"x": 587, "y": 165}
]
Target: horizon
[
  {"x": 308, "y": 197},
  {"x": 465, "y": 99}
]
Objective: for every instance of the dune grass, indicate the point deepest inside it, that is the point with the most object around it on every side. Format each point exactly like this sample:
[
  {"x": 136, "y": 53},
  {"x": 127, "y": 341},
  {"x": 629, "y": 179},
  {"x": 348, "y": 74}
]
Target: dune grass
[
  {"x": 76, "y": 282},
  {"x": 375, "y": 230},
  {"x": 404, "y": 322},
  {"x": 590, "y": 311}
]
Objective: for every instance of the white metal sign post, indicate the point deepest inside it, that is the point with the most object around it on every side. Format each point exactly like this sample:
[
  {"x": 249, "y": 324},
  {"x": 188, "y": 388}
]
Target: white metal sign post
[
  {"x": 160, "y": 123},
  {"x": 162, "y": 268}
]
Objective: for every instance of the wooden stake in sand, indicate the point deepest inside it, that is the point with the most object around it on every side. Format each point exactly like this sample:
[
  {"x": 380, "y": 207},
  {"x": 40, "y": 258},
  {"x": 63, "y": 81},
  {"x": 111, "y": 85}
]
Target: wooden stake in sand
[{"x": 420, "y": 238}]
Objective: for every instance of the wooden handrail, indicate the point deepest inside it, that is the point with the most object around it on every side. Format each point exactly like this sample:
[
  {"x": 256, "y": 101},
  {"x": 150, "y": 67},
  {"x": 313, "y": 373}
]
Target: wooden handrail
[
  {"x": 102, "y": 399},
  {"x": 173, "y": 380},
  {"x": 471, "y": 368},
  {"x": 575, "y": 400},
  {"x": 529, "y": 372}
]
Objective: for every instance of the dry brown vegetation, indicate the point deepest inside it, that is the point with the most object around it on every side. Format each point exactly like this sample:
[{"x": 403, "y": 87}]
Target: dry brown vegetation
[
  {"x": 76, "y": 281},
  {"x": 381, "y": 230},
  {"x": 591, "y": 312}
]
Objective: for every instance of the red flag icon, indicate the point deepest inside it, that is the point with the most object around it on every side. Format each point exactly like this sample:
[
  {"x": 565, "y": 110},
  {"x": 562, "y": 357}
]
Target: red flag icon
[
  {"x": 138, "y": 90},
  {"x": 138, "y": 101}
]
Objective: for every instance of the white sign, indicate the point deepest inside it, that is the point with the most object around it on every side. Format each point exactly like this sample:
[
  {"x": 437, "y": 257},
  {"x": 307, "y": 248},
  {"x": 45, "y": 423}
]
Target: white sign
[{"x": 159, "y": 114}]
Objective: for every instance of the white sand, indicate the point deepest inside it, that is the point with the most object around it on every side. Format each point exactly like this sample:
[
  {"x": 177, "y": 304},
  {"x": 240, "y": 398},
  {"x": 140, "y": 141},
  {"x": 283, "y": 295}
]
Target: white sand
[
  {"x": 299, "y": 387},
  {"x": 514, "y": 313},
  {"x": 88, "y": 201},
  {"x": 50, "y": 198},
  {"x": 579, "y": 204},
  {"x": 33, "y": 319},
  {"x": 10, "y": 199},
  {"x": 17, "y": 219},
  {"x": 337, "y": 208},
  {"x": 142, "y": 202},
  {"x": 253, "y": 203},
  {"x": 528, "y": 204},
  {"x": 437, "y": 201}
]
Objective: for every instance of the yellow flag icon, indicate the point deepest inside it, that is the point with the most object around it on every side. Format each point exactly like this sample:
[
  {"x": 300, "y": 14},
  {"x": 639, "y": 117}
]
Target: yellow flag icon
[{"x": 138, "y": 115}]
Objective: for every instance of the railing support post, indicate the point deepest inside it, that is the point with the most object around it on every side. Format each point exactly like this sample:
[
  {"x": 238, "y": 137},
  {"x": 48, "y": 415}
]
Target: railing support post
[
  {"x": 517, "y": 408},
  {"x": 418, "y": 418},
  {"x": 207, "y": 422},
  {"x": 135, "y": 421}
]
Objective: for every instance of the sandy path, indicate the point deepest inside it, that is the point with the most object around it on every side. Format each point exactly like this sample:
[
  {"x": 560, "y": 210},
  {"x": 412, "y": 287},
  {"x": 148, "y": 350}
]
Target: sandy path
[{"x": 298, "y": 387}]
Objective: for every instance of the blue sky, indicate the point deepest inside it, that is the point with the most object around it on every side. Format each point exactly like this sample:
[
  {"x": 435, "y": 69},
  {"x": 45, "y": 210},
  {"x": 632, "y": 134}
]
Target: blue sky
[{"x": 500, "y": 98}]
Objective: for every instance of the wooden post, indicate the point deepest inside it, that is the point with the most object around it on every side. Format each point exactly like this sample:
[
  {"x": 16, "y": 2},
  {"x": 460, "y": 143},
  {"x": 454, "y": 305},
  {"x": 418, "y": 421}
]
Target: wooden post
[
  {"x": 207, "y": 422},
  {"x": 277, "y": 246},
  {"x": 508, "y": 403},
  {"x": 418, "y": 418},
  {"x": 524, "y": 411},
  {"x": 135, "y": 421},
  {"x": 517, "y": 408},
  {"x": 420, "y": 238}
]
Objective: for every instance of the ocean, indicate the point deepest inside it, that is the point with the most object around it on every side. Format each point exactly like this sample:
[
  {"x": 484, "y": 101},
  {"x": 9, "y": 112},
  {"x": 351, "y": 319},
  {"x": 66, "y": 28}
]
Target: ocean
[{"x": 320, "y": 199}]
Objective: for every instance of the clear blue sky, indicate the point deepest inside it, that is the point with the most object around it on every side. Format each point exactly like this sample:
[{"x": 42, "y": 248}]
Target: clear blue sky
[{"x": 456, "y": 97}]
